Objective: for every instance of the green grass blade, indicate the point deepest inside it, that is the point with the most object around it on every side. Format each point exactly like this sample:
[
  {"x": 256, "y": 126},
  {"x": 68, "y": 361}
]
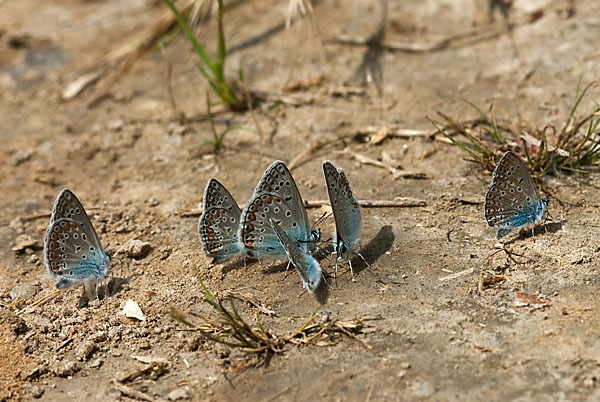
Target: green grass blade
[
  {"x": 191, "y": 37},
  {"x": 221, "y": 48},
  {"x": 496, "y": 133}
]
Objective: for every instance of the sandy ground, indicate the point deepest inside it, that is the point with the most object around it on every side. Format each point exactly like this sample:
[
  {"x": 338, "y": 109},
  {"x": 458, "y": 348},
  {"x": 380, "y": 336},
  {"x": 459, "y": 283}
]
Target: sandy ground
[{"x": 141, "y": 174}]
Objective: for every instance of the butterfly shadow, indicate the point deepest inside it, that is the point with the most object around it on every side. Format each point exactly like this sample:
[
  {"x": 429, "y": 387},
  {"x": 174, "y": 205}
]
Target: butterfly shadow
[
  {"x": 322, "y": 292},
  {"x": 526, "y": 233},
  {"x": 102, "y": 291},
  {"x": 114, "y": 286},
  {"x": 237, "y": 264},
  {"x": 377, "y": 247}
]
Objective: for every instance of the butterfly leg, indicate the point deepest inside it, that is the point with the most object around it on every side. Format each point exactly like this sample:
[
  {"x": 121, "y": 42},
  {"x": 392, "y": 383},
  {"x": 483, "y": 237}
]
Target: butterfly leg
[
  {"x": 335, "y": 271},
  {"x": 325, "y": 280},
  {"x": 351, "y": 270},
  {"x": 363, "y": 258},
  {"x": 286, "y": 270},
  {"x": 90, "y": 290},
  {"x": 368, "y": 265}
]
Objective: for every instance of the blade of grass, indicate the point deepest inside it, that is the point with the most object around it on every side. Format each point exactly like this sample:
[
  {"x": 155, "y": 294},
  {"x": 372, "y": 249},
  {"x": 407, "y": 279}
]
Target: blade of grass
[{"x": 191, "y": 37}]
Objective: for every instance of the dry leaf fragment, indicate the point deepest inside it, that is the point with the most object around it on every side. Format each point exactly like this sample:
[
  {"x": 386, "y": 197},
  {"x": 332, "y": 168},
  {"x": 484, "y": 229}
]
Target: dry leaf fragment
[
  {"x": 133, "y": 310},
  {"x": 528, "y": 299}
]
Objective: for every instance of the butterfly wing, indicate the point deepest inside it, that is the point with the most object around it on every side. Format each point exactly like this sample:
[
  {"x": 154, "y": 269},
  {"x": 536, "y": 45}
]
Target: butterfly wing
[
  {"x": 276, "y": 196},
  {"x": 218, "y": 224},
  {"x": 67, "y": 206},
  {"x": 346, "y": 211},
  {"x": 308, "y": 268},
  {"x": 512, "y": 199},
  {"x": 73, "y": 255}
]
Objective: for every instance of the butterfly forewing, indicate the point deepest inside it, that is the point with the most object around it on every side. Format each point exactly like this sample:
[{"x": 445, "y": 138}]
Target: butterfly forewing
[
  {"x": 308, "y": 268},
  {"x": 69, "y": 207},
  {"x": 346, "y": 211},
  {"x": 276, "y": 196},
  {"x": 219, "y": 222}
]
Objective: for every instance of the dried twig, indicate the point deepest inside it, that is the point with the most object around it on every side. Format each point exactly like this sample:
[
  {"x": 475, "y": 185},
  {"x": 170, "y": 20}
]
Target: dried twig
[
  {"x": 396, "y": 132},
  {"x": 457, "y": 274},
  {"x": 398, "y": 202},
  {"x": 130, "y": 392},
  {"x": 40, "y": 301},
  {"x": 169, "y": 79},
  {"x": 230, "y": 329},
  {"x": 480, "y": 34},
  {"x": 252, "y": 300},
  {"x": 32, "y": 217},
  {"x": 460, "y": 40},
  {"x": 396, "y": 173},
  {"x": 310, "y": 150}
]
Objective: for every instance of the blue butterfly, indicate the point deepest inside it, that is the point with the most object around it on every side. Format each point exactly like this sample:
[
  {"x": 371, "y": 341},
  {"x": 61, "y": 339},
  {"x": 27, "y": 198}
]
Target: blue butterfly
[
  {"x": 276, "y": 196},
  {"x": 218, "y": 224},
  {"x": 346, "y": 213},
  {"x": 308, "y": 268},
  {"x": 72, "y": 250},
  {"x": 512, "y": 199}
]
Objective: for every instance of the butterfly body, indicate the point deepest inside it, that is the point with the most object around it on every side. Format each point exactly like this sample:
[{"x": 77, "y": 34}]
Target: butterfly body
[
  {"x": 346, "y": 212},
  {"x": 276, "y": 196},
  {"x": 72, "y": 250},
  {"x": 218, "y": 224},
  {"x": 512, "y": 199},
  {"x": 307, "y": 267}
]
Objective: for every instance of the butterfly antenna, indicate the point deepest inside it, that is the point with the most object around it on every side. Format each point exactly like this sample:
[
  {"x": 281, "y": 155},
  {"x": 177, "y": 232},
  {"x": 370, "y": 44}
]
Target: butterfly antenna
[{"x": 321, "y": 219}]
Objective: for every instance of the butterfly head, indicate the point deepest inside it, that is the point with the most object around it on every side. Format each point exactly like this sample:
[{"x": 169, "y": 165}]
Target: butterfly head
[
  {"x": 543, "y": 212},
  {"x": 315, "y": 235},
  {"x": 340, "y": 249}
]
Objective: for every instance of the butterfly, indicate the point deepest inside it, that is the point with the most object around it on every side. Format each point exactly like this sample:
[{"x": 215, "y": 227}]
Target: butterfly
[
  {"x": 308, "y": 268},
  {"x": 72, "y": 250},
  {"x": 346, "y": 213},
  {"x": 218, "y": 224},
  {"x": 275, "y": 196},
  {"x": 512, "y": 199}
]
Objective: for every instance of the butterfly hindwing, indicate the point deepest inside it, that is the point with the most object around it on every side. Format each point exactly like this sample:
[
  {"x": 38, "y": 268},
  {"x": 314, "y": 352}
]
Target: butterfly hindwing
[
  {"x": 218, "y": 225},
  {"x": 308, "y": 268}
]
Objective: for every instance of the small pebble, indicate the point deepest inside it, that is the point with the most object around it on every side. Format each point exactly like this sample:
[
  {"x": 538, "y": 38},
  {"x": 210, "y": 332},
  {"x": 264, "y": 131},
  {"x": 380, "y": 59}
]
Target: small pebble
[
  {"x": 179, "y": 393},
  {"x": 35, "y": 391},
  {"x": 136, "y": 248}
]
